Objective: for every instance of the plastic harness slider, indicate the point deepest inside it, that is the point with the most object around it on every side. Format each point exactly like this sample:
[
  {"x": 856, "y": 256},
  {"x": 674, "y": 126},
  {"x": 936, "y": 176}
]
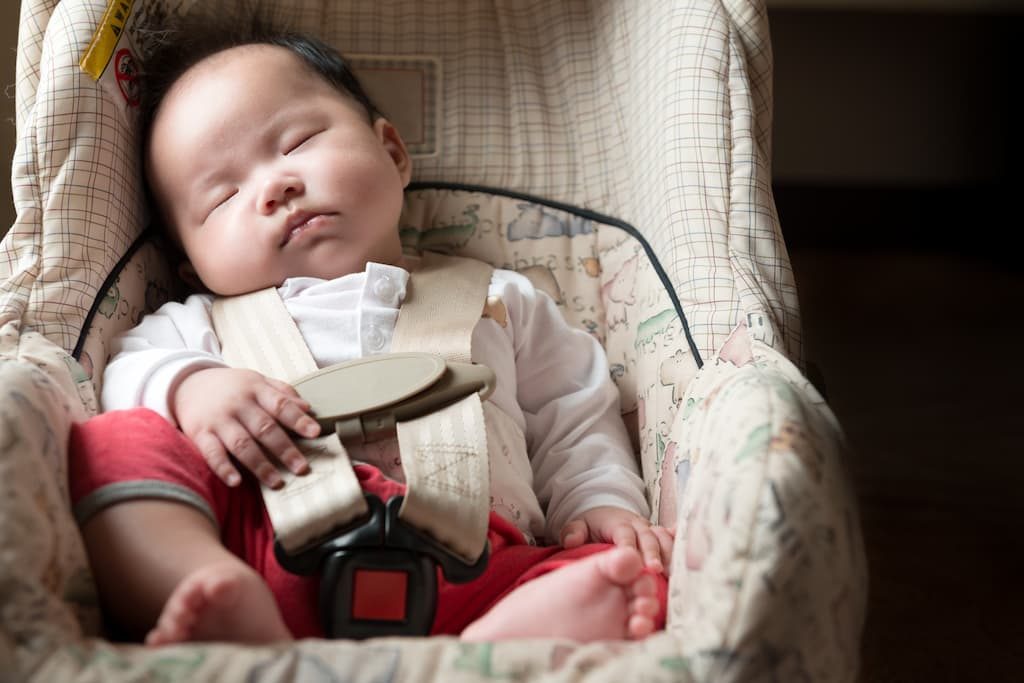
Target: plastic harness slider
[{"x": 363, "y": 399}]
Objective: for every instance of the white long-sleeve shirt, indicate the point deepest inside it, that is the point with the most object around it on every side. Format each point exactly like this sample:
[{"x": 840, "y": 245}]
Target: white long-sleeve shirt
[{"x": 556, "y": 441}]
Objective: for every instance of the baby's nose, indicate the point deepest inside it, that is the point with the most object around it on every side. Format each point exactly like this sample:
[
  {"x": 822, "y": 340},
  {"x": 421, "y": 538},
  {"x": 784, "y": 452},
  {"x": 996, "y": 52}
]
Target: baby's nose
[{"x": 277, "y": 191}]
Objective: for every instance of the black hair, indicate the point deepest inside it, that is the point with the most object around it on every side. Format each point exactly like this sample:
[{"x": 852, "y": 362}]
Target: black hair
[
  {"x": 177, "y": 43},
  {"x": 182, "y": 42}
]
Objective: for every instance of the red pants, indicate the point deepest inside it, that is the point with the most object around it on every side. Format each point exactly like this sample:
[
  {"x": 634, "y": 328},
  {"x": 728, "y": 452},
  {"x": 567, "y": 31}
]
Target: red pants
[{"x": 123, "y": 447}]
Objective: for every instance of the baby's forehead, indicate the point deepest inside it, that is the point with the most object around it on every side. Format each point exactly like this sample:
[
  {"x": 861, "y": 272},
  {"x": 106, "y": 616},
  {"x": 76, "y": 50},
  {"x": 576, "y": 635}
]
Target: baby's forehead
[
  {"x": 261, "y": 60},
  {"x": 235, "y": 99},
  {"x": 262, "y": 64}
]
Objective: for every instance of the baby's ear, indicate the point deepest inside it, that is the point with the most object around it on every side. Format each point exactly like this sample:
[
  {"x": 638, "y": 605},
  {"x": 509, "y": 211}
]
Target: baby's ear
[{"x": 393, "y": 143}]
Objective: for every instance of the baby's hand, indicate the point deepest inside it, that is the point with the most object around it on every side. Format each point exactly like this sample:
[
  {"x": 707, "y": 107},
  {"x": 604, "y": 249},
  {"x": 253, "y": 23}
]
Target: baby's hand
[
  {"x": 625, "y": 528},
  {"x": 240, "y": 412}
]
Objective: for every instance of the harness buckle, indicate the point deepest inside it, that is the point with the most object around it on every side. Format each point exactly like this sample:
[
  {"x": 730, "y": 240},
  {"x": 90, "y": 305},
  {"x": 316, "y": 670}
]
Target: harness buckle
[{"x": 379, "y": 576}]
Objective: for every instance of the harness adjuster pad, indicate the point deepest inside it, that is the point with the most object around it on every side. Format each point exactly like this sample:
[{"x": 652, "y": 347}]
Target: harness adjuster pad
[{"x": 363, "y": 399}]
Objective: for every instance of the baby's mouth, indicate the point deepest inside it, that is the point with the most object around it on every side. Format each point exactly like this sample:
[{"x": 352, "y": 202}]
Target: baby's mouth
[{"x": 299, "y": 223}]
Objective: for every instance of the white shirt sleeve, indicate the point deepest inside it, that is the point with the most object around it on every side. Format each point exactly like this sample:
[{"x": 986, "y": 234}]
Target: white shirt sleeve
[
  {"x": 580, "y": 452},
  {"x": 150, "y": 360}
]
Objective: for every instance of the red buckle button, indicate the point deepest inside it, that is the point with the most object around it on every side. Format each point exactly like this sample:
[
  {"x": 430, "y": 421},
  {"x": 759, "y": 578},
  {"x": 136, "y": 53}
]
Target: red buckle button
[{"x": 379, "y": 595}]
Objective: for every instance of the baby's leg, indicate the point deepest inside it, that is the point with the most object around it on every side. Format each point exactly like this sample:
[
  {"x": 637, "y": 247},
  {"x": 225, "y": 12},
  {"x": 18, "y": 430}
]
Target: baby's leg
[
  {"x": 606, "y": 596},
  {"x": 162, "y": 571}
]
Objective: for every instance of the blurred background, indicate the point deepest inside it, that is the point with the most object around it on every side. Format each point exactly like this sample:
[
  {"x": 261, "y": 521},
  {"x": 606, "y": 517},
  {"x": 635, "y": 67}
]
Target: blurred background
[
  {"x": 897, "y": 154},
  {"x": 897, "y": 148}
]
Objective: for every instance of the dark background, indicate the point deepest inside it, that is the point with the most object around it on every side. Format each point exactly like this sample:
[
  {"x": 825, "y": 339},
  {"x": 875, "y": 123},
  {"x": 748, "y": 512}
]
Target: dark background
[{"x": 897, "y": 153}]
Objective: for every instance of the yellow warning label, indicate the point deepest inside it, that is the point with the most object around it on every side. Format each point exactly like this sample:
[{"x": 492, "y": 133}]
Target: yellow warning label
[{"x": 101, "y": 48}]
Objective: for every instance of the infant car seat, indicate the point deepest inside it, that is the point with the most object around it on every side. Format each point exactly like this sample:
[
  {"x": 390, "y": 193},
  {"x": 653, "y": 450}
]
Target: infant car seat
[{"x": 618, "y": 154}]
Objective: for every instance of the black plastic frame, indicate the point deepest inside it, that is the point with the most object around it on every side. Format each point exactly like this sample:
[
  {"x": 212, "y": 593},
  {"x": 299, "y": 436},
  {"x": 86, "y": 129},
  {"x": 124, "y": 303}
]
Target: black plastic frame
[{"x": 111, "y": 278}]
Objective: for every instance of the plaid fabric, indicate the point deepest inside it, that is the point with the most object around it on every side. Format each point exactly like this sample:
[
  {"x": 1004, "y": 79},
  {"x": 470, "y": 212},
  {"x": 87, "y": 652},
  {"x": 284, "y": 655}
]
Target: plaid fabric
[
  {"x": 654, "y": 113},
  {"x": 75, "y": 178}
]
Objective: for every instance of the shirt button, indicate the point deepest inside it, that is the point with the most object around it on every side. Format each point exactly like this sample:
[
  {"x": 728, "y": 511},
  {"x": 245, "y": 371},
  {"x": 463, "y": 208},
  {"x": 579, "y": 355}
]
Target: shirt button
[
  {"x": 384, "y": 289},
  {"x": 374, "y": 338}
]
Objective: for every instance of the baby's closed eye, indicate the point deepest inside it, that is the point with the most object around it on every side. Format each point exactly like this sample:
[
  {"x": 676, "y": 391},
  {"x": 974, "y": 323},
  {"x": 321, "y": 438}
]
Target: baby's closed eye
[
  {"x": 220, "y": 200},
  {"x": 297, "y": 143}
]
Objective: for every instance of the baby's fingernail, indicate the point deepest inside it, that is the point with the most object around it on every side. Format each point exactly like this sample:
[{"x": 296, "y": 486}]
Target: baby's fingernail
[
  {"x": 234, "y": 479},
  {"x": 310, "y": 428}
]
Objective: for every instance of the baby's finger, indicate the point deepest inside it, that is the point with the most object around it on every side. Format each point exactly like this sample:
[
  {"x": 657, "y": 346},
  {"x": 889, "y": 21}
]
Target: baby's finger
[
  {"x": 286, "y": 388},
  {"x": 288, "y": 409},
  {"x": 624, "y": 535},
  {"x": 274, "y": 440},
  {"x": 650, "y": 549},
  {"x": 666, "y": 540},
  {"x": 240, "y": 444},
  {"x": 217, "y": 458},
  {"x": 574, "y": 534}
]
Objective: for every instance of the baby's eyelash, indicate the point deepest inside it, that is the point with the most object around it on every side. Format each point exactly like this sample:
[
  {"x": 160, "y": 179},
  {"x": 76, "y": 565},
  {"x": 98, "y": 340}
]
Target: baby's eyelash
[
  {"x": 303, "y": 140},
  {"x": 221, "y": 202},
  {"x": 226, "y": 198}
]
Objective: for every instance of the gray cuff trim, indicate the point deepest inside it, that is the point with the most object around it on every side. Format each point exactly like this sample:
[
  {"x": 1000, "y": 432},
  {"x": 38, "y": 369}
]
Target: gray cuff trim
[{"x": 123, "y": 491}]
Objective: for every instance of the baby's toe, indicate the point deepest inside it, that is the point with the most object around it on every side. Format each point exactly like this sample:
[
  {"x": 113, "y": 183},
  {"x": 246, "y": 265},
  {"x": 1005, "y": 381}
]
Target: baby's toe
[
  {"x": 644, "y": 586},
  {"x": 644, "y": 607},
  {"x": 639, "y": 627},
  {"x": 188, "y": 601},
  {"x": 165, "y": 632},
  {"x": 621, "y": 565}
]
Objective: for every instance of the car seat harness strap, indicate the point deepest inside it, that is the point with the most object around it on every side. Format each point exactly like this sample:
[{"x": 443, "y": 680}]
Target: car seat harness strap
[
  {"x": 257, "y": 332},
  {"x": 379, "y": 559}
]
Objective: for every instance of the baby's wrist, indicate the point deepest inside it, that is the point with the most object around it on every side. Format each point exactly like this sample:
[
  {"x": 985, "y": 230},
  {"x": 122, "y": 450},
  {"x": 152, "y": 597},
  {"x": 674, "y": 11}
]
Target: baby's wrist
[{"x": 175, "y": 393}]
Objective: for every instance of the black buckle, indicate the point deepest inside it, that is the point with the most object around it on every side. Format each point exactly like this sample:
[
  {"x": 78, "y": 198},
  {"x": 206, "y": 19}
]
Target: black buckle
[{"x": 385, "y": 550}]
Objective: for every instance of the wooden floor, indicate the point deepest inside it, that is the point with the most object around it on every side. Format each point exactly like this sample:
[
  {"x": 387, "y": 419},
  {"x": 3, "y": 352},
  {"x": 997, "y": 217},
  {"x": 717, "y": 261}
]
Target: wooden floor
[{"x": 923, "y": 362}]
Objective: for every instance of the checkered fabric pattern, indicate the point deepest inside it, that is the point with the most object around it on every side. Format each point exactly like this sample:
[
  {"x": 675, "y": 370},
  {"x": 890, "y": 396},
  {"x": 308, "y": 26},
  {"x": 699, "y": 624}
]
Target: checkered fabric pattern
[{"x": 655, "y": 113}]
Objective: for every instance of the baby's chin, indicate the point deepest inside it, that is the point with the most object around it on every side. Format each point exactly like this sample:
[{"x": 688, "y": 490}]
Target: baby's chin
[
  {"x": 237, "y": 287},
  {"x": 336, "y": 270}
]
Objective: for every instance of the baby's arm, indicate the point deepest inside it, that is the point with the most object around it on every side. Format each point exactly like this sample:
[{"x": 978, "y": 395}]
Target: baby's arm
[
  {"x": 585, "y": 470},
  {"x": 171, "y": 363}
]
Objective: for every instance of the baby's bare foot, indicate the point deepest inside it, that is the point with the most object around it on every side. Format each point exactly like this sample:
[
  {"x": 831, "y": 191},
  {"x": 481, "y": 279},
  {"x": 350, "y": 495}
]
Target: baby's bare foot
[
  {"x": 226, "y": 601},
  {"x": 602, "y": 597}
]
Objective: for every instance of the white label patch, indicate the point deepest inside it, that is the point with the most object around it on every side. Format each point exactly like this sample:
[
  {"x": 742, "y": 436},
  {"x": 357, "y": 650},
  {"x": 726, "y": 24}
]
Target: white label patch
[{"x": 408, "y": 92}]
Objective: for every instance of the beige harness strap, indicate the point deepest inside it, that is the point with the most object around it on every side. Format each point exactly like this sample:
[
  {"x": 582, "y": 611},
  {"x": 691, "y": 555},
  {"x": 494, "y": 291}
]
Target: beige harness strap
[
  {"x": 443, "y": 303},
  {"x": 306, "y": 508},
  {"x": 444, "y": 454}
]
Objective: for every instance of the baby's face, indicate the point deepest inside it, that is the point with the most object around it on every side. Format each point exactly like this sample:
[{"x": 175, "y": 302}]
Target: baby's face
[{"x": 267, "y": 172}]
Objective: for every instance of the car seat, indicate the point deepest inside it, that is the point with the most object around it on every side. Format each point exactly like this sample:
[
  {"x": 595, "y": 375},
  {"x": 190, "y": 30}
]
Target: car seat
[{"x": 616, "y": 153}]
